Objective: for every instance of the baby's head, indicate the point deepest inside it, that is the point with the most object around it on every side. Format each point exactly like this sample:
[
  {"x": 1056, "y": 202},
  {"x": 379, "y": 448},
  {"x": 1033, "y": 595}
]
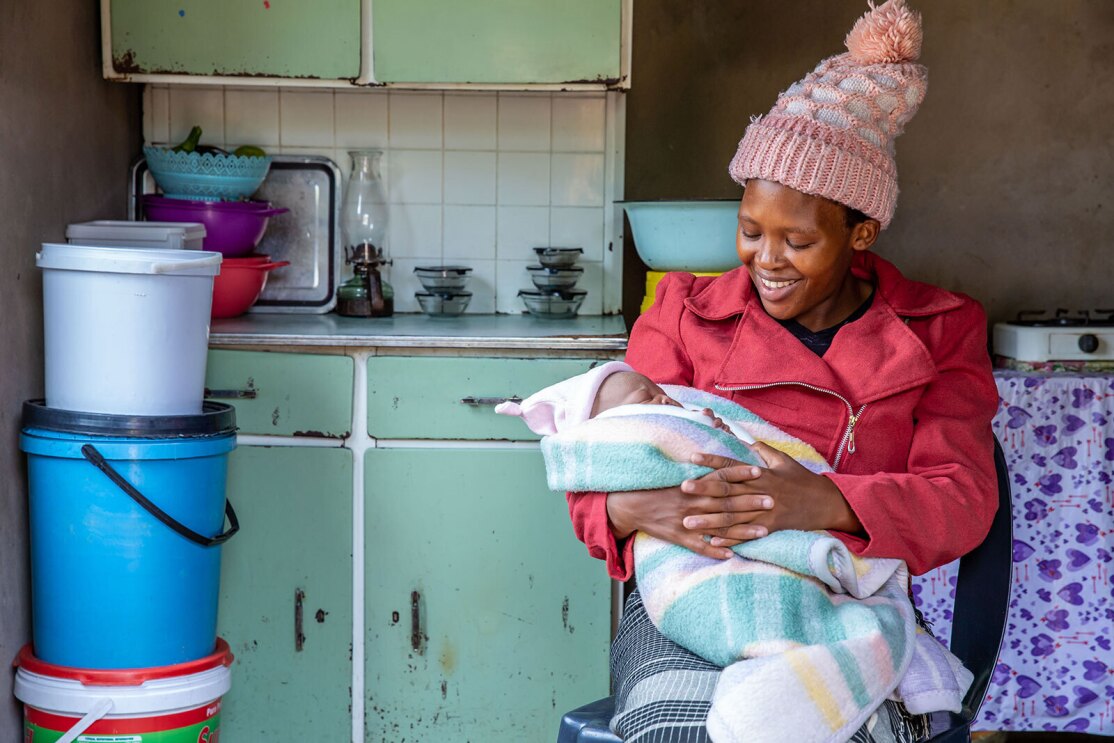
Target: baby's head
[{"x": 629, "y": 388}]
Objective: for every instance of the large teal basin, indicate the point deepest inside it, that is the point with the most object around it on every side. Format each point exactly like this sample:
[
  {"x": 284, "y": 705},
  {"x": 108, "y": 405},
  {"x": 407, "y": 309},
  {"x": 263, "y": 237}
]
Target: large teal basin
[{"x": 696, "y": 236}]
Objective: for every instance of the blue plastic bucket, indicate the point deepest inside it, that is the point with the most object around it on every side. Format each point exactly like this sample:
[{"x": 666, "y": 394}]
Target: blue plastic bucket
[{"x": 119, "y": 581}]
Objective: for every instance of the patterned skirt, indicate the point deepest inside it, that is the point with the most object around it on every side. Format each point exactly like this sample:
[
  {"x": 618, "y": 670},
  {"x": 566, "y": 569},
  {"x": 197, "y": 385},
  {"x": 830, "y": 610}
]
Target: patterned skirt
[{"x": 663, "y": 692}]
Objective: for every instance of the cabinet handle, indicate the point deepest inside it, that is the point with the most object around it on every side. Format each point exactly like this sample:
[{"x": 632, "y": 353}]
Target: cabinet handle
[
  {"x": 248, "y": 394},
  {"x": 416, "y": 635},
  {"x": 299, "y": 635},
  {"x": 477, "y": 401}
]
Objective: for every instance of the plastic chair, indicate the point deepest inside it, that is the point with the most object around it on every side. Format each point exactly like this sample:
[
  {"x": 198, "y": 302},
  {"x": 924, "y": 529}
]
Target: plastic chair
[{"x": 982, "y": 595}]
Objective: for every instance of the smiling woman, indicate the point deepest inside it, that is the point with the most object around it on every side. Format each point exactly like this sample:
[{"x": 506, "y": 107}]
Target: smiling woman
[{"x": 887, "y": 378}]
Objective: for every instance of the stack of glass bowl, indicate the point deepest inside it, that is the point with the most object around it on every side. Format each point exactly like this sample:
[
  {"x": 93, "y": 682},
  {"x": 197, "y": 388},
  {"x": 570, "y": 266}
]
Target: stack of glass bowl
[
  {"x": 444, "y": 294},
  {"x": 555, "y": 295}
]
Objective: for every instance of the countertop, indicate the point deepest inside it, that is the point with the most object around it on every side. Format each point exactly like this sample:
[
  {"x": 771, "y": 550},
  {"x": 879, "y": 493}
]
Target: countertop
[{"x": 606, "y": 332}]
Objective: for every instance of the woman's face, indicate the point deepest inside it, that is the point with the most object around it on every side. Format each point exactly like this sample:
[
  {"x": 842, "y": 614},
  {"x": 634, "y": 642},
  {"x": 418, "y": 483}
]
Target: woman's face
[{"x": 798, "y": 250}]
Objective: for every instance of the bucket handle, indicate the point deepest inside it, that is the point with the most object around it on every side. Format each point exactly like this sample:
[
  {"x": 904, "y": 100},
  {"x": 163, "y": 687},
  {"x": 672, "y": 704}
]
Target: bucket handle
[
  {"x": 100, "y": 709},
  {"x": 90, "y": 452}
]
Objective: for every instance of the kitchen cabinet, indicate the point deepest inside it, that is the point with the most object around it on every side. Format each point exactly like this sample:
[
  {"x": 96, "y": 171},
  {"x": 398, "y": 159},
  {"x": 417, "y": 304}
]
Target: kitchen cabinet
[
  {"x": 286, "y": 594},
  {"x": 319, "y": 40},
  {"x": 492, "y": 44},
  {"x": 497, "y": 41},
  {"x": 441, "y": 592}
]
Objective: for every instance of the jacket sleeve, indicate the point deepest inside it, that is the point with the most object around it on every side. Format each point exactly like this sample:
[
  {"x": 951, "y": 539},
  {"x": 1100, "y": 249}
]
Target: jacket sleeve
[
  {"x": 655, "y": 350},
  {"x": 942, "y": 507}
]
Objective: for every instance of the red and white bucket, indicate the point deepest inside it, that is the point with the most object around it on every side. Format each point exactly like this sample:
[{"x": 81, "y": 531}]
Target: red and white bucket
[{"x": 166, "y": 704}]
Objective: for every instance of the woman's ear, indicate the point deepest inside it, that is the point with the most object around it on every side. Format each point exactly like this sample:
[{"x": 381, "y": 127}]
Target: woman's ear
[{"x": 864, "y": 234}]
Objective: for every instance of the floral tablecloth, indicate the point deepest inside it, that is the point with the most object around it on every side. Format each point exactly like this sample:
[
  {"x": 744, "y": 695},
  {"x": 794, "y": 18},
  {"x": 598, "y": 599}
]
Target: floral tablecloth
[{"x": 1056, "y": 668}]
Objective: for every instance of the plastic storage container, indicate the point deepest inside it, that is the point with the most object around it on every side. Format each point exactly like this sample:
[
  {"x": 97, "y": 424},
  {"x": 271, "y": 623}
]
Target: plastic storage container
[
  {"x": 170, "y": 704},
  {"x": 126, "y": 516},
  {"x": 126, "y": 329},
  {"x": 122, "y": 234}
]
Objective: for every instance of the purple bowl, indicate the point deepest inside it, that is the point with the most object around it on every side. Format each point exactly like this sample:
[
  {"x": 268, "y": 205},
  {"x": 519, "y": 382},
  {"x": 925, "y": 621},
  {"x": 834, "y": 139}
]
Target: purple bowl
[{"x": 233, "y": 228}]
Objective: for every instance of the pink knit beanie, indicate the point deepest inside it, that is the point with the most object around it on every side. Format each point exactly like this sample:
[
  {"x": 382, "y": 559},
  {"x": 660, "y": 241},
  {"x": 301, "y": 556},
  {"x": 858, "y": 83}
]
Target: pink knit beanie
[
  {"x": 562, "y": 405},
  {"x": 832, "y": 134}
]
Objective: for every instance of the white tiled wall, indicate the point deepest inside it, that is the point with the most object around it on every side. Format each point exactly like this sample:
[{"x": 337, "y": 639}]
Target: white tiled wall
[{"x": 477, "y": 179}]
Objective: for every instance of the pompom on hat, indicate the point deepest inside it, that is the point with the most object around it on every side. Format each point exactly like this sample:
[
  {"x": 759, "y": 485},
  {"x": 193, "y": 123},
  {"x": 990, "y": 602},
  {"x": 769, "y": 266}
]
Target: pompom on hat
[
  {"x": 564, "y": 404},
  {"x": 832, "y": 133}
]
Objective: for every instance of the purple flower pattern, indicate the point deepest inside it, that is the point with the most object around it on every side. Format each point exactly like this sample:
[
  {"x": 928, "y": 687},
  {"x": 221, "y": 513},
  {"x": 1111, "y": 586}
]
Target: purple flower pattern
[{"x": 1056, "y": 668}]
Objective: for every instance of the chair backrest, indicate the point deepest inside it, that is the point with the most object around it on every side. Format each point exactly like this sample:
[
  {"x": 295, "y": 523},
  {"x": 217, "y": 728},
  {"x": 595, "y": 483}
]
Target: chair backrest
[{"x": 982, "y": 595}]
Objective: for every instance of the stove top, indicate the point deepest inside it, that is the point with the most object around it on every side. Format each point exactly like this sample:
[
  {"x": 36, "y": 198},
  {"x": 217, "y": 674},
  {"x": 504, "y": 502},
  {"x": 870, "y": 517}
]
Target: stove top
[
  {"x": 1062, "y": 318},
  {"x": 1060, "y": 335}
]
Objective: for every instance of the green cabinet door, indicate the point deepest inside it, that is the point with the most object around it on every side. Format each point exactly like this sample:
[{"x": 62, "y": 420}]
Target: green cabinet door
[
  {"x": 496, "y": 41},
  {"x": 286, "y": 595},
  {"x": 217, "y": 37},
  {"x": 486, "y": 619}
]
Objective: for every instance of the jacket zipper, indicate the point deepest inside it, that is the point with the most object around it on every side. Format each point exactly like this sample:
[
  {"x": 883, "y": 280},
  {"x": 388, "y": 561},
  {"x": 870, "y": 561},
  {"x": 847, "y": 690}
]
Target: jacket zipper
[{"x": 847, "y": 443}]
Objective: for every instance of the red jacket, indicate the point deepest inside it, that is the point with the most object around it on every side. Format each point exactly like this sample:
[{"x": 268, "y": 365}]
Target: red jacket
[{"x": 915, "y": 462}]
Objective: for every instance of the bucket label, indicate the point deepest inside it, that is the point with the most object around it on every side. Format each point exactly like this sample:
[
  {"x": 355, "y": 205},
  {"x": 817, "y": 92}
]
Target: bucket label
[{"x": 207, "y": 731}]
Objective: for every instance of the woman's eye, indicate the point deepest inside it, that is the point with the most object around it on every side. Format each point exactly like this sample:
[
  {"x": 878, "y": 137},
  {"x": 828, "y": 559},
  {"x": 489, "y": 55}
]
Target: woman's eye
[
  {"x": 795, "y": 246},
  {"x": 748, "y": 236}
]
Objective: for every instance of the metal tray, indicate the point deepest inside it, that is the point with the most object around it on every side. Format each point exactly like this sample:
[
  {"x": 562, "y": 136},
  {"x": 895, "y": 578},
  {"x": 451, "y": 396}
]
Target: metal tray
[{"x": 308, "y": 235}]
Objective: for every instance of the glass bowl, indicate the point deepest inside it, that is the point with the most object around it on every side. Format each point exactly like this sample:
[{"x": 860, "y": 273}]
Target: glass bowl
[
  {"x": 442, "y": 279},
  {"x": 558, "y": 257},
  {"x": 554, "y": 279},
  {"x": 443, "y": 304},
  {"x": 553, "y": 305}
]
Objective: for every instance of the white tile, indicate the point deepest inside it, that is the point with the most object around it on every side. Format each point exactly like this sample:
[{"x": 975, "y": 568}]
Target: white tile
[
  {"x": 414, "y": 231},
  {"x": 415, "y": 120},
  {"x": 414, "y": 176},
  {"x": 361, "y": 119},
  {"x": 579, "y": 124},
  {"x": 315, "y": 151},
  {"x": 469, "y": 177},
  {"x": 592, "y": 282},
  {"x": 524, "y": 122},
  {"x": 405, "y": 283},
  {"x": 523, "y": 178},
  {"x": 469, "y": 234},
  {"x": 510, "y": 276},
  {"x": 578, "y": 227},
  {"x": 470, "y": 121},
  {"x": 577, "y": 180},
  {"x": 251, "y": 117},
  {"x": 520, "y": 229},
  {"x": 159, "y": 132},
  {"x": 481, "y": 283},
  {"x": 306, "y": 118},
  {"x": 203, "y": 107}
]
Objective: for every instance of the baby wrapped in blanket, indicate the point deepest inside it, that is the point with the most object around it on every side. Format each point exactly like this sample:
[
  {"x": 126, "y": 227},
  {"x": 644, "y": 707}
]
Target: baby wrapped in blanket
[{"x": 811, "y": 637}]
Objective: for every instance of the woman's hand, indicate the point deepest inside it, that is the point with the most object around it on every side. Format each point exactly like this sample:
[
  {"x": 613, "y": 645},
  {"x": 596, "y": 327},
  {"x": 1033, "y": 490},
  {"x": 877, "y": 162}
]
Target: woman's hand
[
  {"x": 661, "y": 513},
  {"x": 798, "y": 499}
]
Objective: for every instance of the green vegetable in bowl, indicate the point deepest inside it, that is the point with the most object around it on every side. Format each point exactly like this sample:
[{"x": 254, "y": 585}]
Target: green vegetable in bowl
[
  {"x": 249, "y": 150},
  {"x": 189, "y": 144}
]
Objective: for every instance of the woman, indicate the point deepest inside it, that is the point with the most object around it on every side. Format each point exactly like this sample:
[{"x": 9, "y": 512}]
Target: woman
[{"x": 888, "y": 378}]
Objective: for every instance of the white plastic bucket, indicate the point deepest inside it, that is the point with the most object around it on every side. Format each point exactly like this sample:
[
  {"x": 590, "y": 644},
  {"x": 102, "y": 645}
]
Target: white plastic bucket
[
  {"x": 124, "y": 234},
  {"x": 172, "y": 704},
  {"x": 126, "y": 330}
]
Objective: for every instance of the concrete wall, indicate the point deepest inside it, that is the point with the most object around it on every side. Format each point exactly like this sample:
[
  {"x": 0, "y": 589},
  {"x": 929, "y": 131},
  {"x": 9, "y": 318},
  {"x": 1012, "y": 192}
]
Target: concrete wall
[
  {"x": 66, "y": 141},
  {"x": 1006, "y": 173}
]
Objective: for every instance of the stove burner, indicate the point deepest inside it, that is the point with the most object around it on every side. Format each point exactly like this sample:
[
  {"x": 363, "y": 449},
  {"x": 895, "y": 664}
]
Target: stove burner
[{"x": 1065, "y": 318}]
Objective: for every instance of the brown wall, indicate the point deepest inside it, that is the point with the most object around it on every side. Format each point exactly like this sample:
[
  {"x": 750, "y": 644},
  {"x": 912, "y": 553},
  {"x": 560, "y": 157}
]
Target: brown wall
[
  {"x": 66, "y": 140},
  {"x": 1006, "y": 172}
]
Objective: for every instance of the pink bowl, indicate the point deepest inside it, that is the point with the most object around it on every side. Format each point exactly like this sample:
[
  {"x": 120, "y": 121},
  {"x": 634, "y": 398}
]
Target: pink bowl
[{"x": 231, "y": 227}]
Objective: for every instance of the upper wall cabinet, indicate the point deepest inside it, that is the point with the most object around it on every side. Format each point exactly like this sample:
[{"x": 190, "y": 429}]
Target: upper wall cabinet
[
  {"x": 486, "y": 44},
  {"x": 497, "y": 41},
  {"x": 216, "y": 38}
]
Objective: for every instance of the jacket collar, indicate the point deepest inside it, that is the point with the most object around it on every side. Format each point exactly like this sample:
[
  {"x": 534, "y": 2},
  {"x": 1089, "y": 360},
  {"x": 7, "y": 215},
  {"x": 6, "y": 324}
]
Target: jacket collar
[{"x": 871, "y": 358}]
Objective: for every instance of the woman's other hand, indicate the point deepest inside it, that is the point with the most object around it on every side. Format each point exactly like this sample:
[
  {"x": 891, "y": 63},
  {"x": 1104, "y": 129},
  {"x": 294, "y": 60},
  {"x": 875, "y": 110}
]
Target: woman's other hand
[
  {"x": 661, "y": 513},
  {"x": 793, "y": 498}
]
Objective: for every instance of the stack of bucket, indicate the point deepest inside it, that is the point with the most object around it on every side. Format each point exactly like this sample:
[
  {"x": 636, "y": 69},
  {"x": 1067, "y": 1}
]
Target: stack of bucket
[{"x": 126, "y": 472}]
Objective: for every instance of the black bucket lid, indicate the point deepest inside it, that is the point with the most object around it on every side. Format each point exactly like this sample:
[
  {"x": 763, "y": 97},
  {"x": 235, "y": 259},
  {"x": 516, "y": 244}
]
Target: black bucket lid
[{"x": 215, "y": 419}]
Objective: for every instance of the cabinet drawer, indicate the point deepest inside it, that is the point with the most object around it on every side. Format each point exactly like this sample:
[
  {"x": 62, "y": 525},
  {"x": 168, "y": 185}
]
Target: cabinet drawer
[
  {"x": 428, "y": 397},
  {"x": 284, "y": 394}
]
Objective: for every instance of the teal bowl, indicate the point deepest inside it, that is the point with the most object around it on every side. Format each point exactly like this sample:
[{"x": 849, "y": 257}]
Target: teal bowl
[
  {"x": 694, "y": 236},
  {"x": 205, "y": 177}
]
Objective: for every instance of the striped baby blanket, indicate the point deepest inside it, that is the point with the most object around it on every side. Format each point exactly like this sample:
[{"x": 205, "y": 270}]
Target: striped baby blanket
[{"x": 812, "y": 638}]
